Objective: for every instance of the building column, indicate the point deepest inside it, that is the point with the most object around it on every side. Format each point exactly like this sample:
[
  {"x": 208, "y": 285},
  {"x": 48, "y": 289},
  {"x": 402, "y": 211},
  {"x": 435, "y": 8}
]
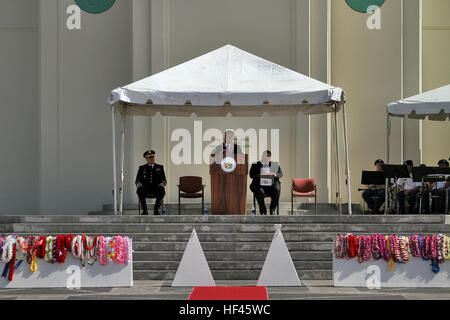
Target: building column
[
  {"x": 319, "y": 129},
  {"x": 49, "y": 105},
  {"x": 138, "y": 128},
  {"x": 412, "y": 75},
  {"x": 300, "y": 159}
]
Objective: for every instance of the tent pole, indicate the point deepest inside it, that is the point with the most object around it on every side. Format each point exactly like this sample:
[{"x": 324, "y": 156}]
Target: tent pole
[
  {"x": 122, "y": 161},
  {"x": 114, "y": 161},
  {"x": 347, "y": 163},
  {"x": 388, "y": 136},
  {"x": 338, "y": 163}
]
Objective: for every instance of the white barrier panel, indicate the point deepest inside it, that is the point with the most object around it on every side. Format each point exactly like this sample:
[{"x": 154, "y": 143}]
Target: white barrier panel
[
  {"x": 193, "y": 270},
  {"x": 278, "y": 269},
  {"x": 69, "y": 274},
  {"x": 416, "y": 273}
]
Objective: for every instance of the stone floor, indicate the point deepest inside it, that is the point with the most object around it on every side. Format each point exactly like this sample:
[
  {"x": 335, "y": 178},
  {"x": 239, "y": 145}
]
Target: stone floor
[{"x": 161, "y": 290}]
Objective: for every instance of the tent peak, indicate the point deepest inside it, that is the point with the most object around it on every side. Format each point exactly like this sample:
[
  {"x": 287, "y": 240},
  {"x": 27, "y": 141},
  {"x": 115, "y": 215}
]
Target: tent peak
[{"x": 228, "y": 74}]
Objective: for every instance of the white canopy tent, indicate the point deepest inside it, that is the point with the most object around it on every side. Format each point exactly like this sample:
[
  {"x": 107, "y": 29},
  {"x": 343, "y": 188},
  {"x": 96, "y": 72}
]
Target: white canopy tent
[
  {"x": 434, "y": 104},
  {"x": 227, "y": 81}
]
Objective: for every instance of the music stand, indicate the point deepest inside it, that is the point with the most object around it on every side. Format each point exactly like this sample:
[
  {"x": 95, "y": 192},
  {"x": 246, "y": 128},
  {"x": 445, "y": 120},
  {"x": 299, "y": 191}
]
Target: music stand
[
  {"x": 372, "y": 178},
  {"x": 394, "y": 171},
  {"x": 430, "y": 175},
  {"x": 420, "y": 172}
]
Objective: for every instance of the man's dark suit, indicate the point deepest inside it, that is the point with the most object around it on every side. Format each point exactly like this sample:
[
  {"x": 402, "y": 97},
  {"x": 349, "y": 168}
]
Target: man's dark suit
[
  {"x": 151, "y": 177},
  {"x": 260, "y": 191}
]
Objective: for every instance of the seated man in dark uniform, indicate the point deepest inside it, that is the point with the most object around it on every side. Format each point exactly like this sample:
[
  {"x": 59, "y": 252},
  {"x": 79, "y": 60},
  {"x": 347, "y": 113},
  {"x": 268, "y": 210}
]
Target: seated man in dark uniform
[
  {"x": 151, "y": 179},
  {"x": 437, "y": 189},
  {"x": 376, "y": 194},
  {"x": 265, "y": 167}
]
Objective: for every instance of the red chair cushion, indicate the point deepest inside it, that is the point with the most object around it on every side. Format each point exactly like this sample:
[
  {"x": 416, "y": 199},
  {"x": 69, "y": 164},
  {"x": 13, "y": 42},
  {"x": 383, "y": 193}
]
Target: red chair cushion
[
  {"x": 296, "y": 194},
  {"x": 191, "y": 195},
  {"x": 303, "y": 185},
  {"x": 190, "y": 184}
]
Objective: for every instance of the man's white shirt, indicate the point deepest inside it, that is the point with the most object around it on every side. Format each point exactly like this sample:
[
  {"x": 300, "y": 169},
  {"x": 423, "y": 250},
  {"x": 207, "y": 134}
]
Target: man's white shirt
[{"x": 408, "y": 183}]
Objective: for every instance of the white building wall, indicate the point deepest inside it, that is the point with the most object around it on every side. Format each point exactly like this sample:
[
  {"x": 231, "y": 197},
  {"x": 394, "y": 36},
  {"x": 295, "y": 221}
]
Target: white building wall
[
  {"x": 78, "y": 70},
  {"x": 19, "y": 140},
  {"x": 65, "y": 124}
]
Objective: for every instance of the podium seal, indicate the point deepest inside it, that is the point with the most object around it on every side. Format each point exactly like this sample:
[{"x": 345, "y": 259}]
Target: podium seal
[{"x": 228, "y": 164}]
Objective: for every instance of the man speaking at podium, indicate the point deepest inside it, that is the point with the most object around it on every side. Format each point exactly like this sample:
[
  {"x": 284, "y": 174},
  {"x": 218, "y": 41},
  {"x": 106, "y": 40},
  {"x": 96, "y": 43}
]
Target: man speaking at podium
[
  {"x": 227, "y": 149},
  {"x": 228, "y": 146},
  {"x": 266, "y": 180}
]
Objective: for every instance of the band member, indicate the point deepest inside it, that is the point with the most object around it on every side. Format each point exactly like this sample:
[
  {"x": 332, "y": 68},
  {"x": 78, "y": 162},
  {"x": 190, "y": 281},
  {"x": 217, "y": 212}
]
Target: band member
[
  {"x": 266, "y": 167},
  {"x": 408, "y": 189},
  {"x": 440, "y": 189},
  {"x": 375, "y": 196},
  {"x": 151, "y": 179}
]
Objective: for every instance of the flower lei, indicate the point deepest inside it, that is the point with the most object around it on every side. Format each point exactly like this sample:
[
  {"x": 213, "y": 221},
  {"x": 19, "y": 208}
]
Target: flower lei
[
  {"x": 434, "y": 254},
  {"x": 391, "y": 260},
  {"x": 363, "y": 248},
  {"x": 440, "y": 241},
  {"x": 338, "y": 247},
  {"x": 49, "y": 249},
  {"x": 7, "y": 247},
  {"x": 445, "y": 248},
  {"x": 383, "y": 248},
  {"x": 110, "y": 248},
  {"x": 102, "y": 251},
  {"x": 353, "y": 248},
  {"x": 60, "y": 249},
  {"x": 90, "y": 250},
  {"x": 414, "y": 246},
  {"x": 128, "y": 250},
  {"x": 76, "y": 247},
  {"x": 15, "y": 249},
  {"x": 119, "y": 250},
  {"x": 403, "y": 246},
  {"x": 375, "y": 247},
  {"x": 395, "y": 248}
]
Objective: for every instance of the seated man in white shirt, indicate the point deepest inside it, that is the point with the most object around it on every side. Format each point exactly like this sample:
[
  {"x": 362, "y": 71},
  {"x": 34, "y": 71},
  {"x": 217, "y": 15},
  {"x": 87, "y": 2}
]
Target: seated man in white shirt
[
  {"x": 408, "y": 189},
  {"x": 266, "y": 167},
  {"x": 440, "y": 189}
]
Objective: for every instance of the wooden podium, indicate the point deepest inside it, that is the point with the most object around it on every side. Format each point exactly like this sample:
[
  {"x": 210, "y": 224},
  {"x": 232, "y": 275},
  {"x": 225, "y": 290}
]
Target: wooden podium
[{"x": 229, "y": 190}]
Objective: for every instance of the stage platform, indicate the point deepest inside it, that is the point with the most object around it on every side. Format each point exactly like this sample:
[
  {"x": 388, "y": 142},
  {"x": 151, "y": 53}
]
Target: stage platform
[
  {"x": 235, "y": 246},
  {"x": 196, "y": 208}
]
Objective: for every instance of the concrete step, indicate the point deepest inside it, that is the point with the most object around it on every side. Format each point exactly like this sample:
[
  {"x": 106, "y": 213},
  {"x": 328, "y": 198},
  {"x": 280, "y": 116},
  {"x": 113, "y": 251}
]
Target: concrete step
[
  {"x": 230, "y": 265},
  {"x": 224, "y": 237},
  {"x": 305, "y": 219},
  {"x": 231, "y": 246},
  {"x": 235, "y": 246},
  {"x": 231, "y": 255},
  {"x": 188, "y": 208},
  {"x": 212, "y": 237},
  {"x": 227, "y": 275},
  {"x": 59, "y": 228}
]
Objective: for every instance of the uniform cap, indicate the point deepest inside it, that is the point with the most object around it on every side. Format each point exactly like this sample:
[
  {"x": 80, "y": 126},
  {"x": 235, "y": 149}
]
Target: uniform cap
[{"x": 149, "y": 154}]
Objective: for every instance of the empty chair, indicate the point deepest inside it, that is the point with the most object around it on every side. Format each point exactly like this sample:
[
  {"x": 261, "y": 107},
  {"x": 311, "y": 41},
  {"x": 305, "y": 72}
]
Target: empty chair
[
  {"x": 191, "y": 187},
  {"x": 303, "y": 188}
]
